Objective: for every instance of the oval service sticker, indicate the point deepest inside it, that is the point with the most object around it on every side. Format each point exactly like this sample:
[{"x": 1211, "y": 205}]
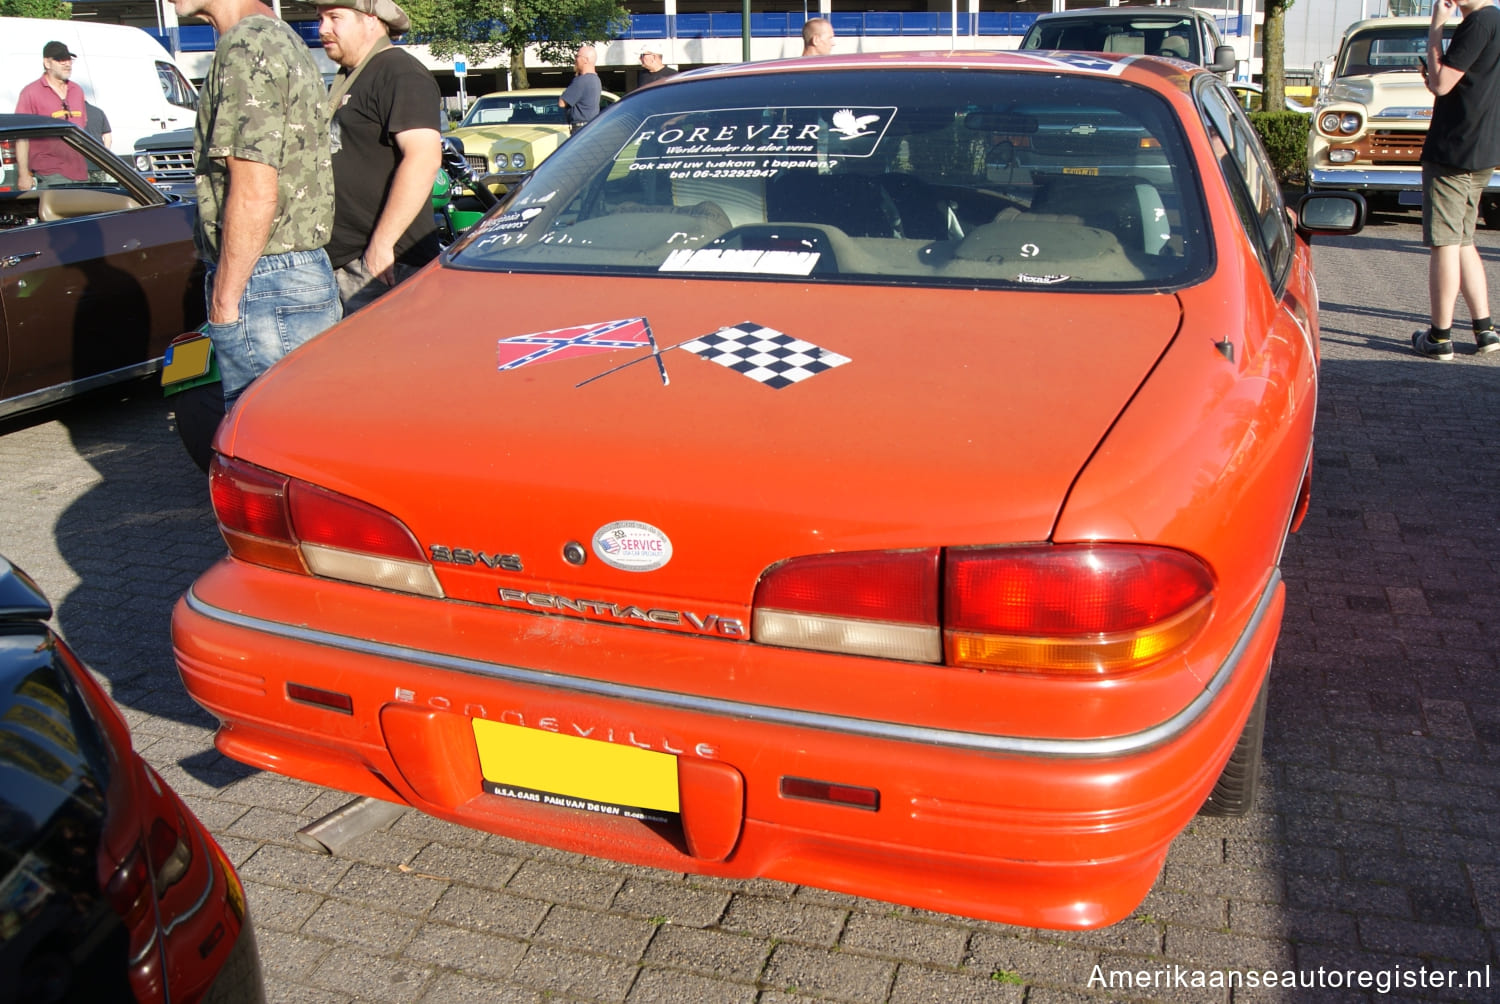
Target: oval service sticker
[{"x": 632, "y": 546}]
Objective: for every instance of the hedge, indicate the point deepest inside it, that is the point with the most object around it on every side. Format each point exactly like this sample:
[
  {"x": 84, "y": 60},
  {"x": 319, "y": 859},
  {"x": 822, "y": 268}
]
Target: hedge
[{"x": 1284, "y": 135}]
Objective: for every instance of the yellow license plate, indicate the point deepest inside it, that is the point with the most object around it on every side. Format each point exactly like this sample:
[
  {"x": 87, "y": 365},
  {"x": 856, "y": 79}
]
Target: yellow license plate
[
  {"x": 186, "y": 360},
  {"x": 576, "y": 773}
]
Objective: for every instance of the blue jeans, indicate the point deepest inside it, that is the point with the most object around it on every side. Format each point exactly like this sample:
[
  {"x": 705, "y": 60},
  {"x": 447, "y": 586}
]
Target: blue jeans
[{"x": 290, "y": 298}]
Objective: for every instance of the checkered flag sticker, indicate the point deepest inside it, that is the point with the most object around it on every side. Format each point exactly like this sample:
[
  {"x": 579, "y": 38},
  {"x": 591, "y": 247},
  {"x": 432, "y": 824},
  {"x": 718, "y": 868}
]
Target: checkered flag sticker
[{"x": 763, "y": 354}]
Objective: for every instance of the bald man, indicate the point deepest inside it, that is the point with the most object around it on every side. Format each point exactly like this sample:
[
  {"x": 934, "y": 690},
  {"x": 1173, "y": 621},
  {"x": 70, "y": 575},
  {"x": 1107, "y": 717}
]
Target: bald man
[
  {"x": 581, "y": 98},
  {"x": 817, "y": 37}
]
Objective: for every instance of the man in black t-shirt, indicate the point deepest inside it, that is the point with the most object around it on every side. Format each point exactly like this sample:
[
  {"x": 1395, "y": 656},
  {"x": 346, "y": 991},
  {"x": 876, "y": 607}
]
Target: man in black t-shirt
[
  {"x": 387, "y": 149},
  {"x": 1460, "y": 154}
]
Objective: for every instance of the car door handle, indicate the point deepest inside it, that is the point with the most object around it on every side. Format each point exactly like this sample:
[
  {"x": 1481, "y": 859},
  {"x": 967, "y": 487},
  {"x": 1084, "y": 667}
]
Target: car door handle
[{"x": 11, "y": 260}]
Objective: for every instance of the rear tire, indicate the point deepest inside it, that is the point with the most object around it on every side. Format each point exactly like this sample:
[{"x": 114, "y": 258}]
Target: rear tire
[{"x": 1234, "y": 792}]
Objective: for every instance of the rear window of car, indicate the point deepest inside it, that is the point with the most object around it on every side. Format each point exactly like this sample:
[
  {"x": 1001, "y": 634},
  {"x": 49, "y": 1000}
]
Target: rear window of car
[
  {"x": 515, "y": 111},
  {"x": 941, "y": 178},
  {"x": 1139, "y": 36},
  {"x": 1387, "y": 50}
]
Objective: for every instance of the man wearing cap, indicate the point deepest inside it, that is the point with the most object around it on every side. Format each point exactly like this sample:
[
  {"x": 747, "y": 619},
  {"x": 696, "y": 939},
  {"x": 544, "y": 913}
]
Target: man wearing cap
[
  {"x": 387, "y": 147},
  {"x": 581, "y": 96},
  {"x": 654, "y": 68},
  {"x": 265, "y": 191},
  {"x": 43, "y": 162}
]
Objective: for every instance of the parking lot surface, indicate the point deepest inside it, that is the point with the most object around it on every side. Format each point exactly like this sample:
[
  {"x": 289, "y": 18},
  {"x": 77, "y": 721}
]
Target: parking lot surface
[{"x": 1368, "y": 870}]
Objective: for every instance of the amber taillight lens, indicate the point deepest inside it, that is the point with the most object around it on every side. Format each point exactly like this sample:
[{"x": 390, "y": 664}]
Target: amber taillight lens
[
  {"x": 1099, "y": 609},
  {"x": 270, "y": 519}
]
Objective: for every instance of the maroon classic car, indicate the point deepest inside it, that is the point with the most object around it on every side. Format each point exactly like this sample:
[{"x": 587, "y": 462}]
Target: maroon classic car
[{"x": 97, "y": 270}]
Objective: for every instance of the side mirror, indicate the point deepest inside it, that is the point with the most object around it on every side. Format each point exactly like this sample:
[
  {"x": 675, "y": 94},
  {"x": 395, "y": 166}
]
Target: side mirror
[
  {"x": 1224, "y": 59},
  {"x": 1341, "y": 213}
]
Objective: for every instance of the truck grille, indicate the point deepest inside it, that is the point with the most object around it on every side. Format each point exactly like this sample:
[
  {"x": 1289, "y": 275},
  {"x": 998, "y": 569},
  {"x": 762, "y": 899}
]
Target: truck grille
[
  {"x": 1387, "y": 147},
  {"x": 171, "y": 164}
]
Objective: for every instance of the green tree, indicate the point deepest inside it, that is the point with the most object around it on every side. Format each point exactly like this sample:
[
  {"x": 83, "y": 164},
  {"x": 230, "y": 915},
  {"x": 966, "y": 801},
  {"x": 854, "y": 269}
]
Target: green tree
[
  {"x": 1273, "y": 55},
  {"x": 52, "y": 9},
  {"x": 483, "y": 29}
]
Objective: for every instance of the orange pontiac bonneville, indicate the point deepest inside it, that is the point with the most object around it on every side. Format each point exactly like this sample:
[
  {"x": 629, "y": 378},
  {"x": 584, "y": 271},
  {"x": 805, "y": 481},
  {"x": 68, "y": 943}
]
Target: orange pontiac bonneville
[{"x": 868, "y": 472}]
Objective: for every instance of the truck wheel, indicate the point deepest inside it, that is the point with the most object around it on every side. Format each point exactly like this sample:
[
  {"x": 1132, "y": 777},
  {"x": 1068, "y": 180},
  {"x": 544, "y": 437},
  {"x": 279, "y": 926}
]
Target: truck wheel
[
  {"x": 1235, "y": 790},
  {"x": 1489, "y": 209},
  {"x": 199, "y": 411}
]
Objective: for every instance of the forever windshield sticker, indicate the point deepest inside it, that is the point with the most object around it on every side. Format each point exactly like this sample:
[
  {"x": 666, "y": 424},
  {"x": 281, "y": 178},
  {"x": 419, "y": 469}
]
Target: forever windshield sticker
[{"x": 754, "y": 142}]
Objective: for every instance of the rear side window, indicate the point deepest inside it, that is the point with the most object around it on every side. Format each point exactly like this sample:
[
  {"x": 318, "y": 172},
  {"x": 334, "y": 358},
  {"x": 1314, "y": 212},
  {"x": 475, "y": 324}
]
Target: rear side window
[
  {"x": 1251, "y": 182},
  {"x": 1046, "y": 180}
]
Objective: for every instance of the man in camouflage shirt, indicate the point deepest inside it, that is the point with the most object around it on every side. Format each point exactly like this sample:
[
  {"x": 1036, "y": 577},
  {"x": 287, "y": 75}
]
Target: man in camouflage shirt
[{"x": 265, "y": 191}]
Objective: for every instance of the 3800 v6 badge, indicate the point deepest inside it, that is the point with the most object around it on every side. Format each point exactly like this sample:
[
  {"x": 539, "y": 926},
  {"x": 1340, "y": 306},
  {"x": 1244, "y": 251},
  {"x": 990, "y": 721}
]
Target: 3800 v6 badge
[{"x": 911, "y": 441}]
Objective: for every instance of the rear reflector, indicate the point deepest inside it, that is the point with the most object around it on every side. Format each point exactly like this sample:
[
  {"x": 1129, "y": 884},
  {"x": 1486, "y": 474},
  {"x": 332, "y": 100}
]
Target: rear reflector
[
  {"x": 330, "y": 699},
  {"x": 826, "y": 791}
]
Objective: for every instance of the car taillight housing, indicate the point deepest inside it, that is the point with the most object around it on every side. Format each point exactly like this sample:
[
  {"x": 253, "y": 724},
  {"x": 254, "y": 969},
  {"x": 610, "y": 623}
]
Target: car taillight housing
[
  {"x": 1077, "y": 609},
  {"x": 274, "y": 520}
]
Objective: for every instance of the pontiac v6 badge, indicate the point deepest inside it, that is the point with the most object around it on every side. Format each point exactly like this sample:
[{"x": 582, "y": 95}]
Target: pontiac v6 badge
[{"x": 632, "y": 546}]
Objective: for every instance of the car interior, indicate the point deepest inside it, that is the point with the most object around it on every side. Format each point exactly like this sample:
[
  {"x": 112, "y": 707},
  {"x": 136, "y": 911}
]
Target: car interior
[
  {"x": 99, "y": 192},
  {"x": 1032, "y": 193}
]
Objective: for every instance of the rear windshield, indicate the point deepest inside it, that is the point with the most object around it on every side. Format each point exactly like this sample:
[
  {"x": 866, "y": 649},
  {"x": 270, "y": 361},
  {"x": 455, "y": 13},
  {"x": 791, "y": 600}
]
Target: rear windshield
[
  {"x": 1143, "y": 36},
  {"x": 495, "y": 111},
  {"x": 937, "y": 178},
  {"x": 1387, "y": 50}
]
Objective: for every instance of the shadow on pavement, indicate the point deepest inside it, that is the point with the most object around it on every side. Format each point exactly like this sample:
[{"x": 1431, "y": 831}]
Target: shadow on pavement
[{"x": 136, "y": 539}]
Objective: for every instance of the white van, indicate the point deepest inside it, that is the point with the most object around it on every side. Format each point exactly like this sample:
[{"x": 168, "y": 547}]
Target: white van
[{"x": 121, "y": 69}]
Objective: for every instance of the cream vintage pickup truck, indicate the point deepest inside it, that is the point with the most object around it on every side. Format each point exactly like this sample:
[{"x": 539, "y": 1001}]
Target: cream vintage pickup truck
[{"x": 1371, "y": 119}]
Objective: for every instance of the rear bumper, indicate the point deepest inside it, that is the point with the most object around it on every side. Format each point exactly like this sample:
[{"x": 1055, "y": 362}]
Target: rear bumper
[{"x": 1063, "y": 833}]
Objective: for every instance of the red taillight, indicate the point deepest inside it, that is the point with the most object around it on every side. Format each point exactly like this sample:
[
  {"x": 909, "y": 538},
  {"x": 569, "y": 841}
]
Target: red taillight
[
  {"x": 129, "y": 888},
  {"x": 876, "y": 585},
  {"x": 1069, "y": 591},
  {"x": 1091, "y": 608},
  {"x": 270, "y": 519},
  {"x": 324, "y": 517},
  {"x": 1074, "y": 609},
  {"x": 250, "y": 499},
  {"x": 876, "y": 603}
]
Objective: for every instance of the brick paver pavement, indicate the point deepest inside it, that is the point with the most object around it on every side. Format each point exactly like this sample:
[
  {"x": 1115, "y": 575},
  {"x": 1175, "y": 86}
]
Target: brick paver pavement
[{"x": 1372, "y": 847}]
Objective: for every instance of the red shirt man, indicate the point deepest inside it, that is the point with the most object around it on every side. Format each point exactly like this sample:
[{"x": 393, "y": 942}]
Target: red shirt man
[{"x": 51, "y": 161}]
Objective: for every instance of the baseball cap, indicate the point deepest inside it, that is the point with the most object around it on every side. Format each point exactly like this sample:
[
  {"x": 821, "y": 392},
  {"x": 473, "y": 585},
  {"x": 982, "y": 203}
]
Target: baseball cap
[
  {"x": 56, "y": 50},
  {"x": 651, "y": 48},
  {"x": 386, "y": 10}
]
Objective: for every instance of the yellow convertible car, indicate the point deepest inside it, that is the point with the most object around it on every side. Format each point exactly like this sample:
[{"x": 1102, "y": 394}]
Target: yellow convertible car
[{"x": 508, "y": 133}]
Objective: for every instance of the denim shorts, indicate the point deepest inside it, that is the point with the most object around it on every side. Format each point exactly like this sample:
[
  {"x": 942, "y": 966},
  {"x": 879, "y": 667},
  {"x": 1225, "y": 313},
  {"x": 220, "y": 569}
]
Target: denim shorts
[{"x": 290, "y": 298}]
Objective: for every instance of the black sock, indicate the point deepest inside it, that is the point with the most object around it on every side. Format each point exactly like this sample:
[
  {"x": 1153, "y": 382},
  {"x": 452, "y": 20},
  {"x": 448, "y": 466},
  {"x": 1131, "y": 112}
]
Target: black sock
[
  {"x": 1482, "y": 324},
  {"x": 1441, "y": 334}
]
